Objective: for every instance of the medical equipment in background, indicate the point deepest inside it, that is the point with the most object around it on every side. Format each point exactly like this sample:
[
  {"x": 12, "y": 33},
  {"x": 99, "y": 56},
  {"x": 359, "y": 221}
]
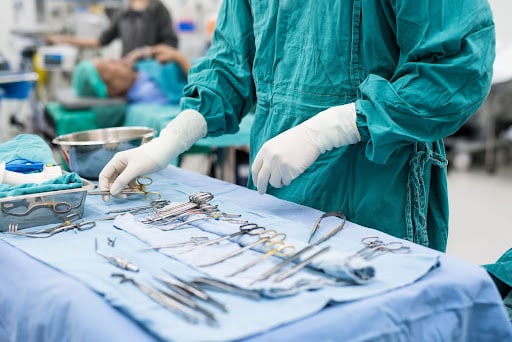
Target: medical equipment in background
[{"x": 61, "y": 57}]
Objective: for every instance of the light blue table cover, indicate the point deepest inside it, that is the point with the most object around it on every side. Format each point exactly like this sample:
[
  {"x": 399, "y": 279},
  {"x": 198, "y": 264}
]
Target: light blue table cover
[{"x": 455, "y": 302}]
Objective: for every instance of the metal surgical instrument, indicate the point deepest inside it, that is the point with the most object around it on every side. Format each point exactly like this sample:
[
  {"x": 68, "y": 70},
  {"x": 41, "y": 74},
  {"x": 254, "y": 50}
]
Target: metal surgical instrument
[
  {"x": 141, "y": 209},
  {"x": 375, "y": 247},
  {"x": 194, "y": 240},
  {"x": 282, "y": 250},
  {"x": 141, "y": 182},
  {"x": 116, "y": 260},
  {"x": 248, "y": 228},
  {"x": 225, "y": 287},
  {"x": 195, "y": 200},
  {"x": 300, "y": 265},
  {"x": 33, "y": 204},
  {"x": 67, "y": 225},
  {"x": 180, "y": 285},
  {"x": 265, "y": 236},
  {"x": 206, "y": 212},
  {"x": 166, "y": 301},
  {"x": 328, "y": 235}
]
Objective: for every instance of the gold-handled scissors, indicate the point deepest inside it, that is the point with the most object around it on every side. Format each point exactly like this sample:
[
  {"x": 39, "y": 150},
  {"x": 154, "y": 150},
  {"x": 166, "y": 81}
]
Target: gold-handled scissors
[{"x": 137, "y": 187}]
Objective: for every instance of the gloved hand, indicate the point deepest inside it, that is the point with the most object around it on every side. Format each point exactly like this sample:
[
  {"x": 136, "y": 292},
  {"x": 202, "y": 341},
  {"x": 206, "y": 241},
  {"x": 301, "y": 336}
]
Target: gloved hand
[
  {"x": 179, "y": 135},
  {"x": 284, "y": 157}
]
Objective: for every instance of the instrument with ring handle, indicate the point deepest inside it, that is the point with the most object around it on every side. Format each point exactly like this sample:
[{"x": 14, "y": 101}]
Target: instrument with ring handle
[
  {"x": 265, "y": 237},
  {"x": 67, "y": 225},
  {"x": 249, "y": 228},
  {"x": 138, "y": 187}
]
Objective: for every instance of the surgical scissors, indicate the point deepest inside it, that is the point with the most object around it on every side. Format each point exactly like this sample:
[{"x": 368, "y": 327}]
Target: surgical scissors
[
  {"x": 33, "y": 204},
  {"x": 67, "y": 225},
  {"x": 248, "y": 228},
  {"x": 375, "y": 247},
  {"x": 138, "y": 186}
]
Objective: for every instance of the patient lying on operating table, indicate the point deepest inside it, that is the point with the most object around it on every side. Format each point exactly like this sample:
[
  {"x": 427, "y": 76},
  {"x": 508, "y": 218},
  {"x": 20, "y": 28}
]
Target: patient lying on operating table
[{"x": 145, "y": 81}]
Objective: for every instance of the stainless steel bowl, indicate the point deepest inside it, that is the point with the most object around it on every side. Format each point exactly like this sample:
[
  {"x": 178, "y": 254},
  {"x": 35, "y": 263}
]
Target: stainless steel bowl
[{"x": 87, "y": 152}]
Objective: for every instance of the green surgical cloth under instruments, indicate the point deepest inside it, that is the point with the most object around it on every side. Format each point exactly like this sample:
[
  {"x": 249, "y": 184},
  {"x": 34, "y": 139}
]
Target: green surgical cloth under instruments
[{"x": 416, "y": 70}]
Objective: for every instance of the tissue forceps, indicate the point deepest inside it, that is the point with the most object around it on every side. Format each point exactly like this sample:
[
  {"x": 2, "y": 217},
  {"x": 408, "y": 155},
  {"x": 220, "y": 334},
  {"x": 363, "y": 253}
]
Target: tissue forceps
[
  {"x": 33, "y": 204},
  {"x": 248, "y": 228},
  {"x": 330, "y": 233},
  {"x": 135, "y": 188},
  {"x": 265, "y": 237}
]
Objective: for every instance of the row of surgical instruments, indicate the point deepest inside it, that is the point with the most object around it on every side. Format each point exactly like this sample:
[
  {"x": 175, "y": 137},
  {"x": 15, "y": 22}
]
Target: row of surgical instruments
[{"x": 188, "y": 299}]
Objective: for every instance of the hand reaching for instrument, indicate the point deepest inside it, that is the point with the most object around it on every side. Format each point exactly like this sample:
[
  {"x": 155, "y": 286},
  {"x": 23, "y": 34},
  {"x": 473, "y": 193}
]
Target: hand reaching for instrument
[{"x": 179, "y": 135}]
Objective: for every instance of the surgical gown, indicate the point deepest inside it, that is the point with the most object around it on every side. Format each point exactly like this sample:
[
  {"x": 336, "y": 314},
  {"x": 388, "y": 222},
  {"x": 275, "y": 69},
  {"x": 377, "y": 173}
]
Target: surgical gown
[{"x": 416, "y": 70}]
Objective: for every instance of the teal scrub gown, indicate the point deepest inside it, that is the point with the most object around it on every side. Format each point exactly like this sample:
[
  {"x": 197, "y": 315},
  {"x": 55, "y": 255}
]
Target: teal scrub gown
[{"x": 416, "y": 70}]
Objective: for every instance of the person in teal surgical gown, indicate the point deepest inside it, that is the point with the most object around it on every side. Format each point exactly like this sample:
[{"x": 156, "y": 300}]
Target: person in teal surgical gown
[{"x": 352, "y": 100}]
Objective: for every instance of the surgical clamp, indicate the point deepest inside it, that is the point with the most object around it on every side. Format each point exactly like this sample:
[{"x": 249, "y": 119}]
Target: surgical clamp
[
  {"x": 195, "y": 200},
  {"x": 67, "y": 225},
  {"x": 141, "y": 182}
]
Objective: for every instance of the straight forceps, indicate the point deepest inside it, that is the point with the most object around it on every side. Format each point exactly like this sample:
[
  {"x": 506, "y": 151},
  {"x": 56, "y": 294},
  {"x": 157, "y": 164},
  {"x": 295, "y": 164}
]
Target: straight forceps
[
  {"x": 67, "y": 225},
  {"x": 281, "y": 250},
  {"x": 194, "y": 240},
  {"x": 137, "y": 187},
  {"x": 248, "y": 228},
  {"x": 375, "y": 247},
  {"x": 327, "y": 236},
  {"x": 265, "y": 237}
]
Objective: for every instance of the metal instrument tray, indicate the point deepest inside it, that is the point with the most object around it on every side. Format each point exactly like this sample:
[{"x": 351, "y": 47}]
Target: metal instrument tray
[{"x": 43, "y": 208}]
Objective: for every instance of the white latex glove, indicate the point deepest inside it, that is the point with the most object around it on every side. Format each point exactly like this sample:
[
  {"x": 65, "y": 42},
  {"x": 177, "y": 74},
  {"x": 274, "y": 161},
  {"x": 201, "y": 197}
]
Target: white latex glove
[
  {"x": 179, "y": 135},
  {"x": 284, "y": 157}
]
